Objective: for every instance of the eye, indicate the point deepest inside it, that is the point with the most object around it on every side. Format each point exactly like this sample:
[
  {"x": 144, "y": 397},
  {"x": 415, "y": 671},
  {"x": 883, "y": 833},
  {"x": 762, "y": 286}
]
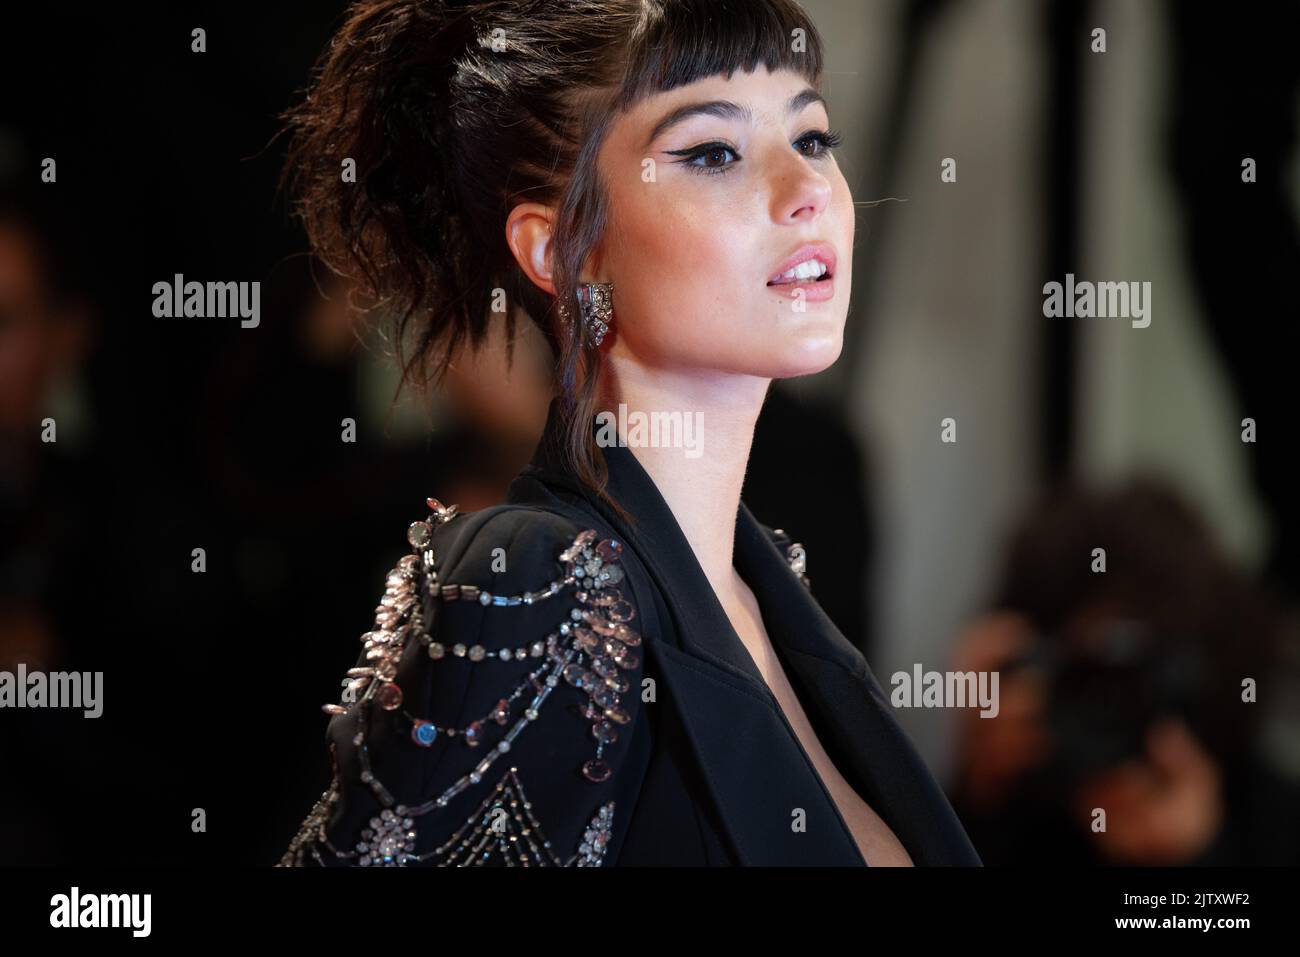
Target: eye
[
  {"x": 816, "y": 143},
  {"x": 708, "y": 157}
]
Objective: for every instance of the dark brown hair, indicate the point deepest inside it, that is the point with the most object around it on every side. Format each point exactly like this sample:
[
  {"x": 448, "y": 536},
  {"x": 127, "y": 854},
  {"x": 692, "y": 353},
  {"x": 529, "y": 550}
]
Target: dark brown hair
[{"x": 448, "y": 134}]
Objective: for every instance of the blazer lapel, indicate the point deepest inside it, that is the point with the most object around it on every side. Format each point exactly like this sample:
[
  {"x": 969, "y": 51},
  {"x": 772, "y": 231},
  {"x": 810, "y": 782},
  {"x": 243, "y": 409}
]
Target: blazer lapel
[
  {"x": 753, "y": 764},
  {"x": 878, "y": 758}
]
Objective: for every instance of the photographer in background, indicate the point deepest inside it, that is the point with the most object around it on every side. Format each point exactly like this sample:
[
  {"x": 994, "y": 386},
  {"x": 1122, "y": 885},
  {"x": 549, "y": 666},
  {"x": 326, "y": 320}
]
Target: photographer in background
[{"x": 1125, "y": 733}]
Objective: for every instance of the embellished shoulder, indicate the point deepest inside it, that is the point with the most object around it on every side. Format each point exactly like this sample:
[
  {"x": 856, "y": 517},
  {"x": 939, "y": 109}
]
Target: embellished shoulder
[
  {"x": 483, "y": 720},
  {"x": 795, "y": 554}
]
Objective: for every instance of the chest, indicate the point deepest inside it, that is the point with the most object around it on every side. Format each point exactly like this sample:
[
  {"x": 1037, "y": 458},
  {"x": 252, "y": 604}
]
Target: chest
[{"x": 876, "y": 842}]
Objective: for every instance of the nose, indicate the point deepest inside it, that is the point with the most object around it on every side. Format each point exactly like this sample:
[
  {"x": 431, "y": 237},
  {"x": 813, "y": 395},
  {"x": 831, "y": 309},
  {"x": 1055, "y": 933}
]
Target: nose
[{"x": 799, "y": 191}]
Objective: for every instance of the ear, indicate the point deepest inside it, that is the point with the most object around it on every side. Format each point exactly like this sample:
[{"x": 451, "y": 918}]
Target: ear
[{"x": 528, "y": 233}]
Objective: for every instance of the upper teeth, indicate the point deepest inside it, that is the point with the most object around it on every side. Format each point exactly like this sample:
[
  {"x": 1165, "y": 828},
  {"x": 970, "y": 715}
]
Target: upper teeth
[{"x": 808, "y": 269}]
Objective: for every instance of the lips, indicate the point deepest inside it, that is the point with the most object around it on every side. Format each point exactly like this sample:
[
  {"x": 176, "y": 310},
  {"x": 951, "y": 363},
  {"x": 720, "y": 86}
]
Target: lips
[{"x": 806, "y": 273}]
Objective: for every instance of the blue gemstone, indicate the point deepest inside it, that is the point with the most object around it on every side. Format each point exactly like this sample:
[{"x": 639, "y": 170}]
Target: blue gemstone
[{"x": 424, "y": 733}]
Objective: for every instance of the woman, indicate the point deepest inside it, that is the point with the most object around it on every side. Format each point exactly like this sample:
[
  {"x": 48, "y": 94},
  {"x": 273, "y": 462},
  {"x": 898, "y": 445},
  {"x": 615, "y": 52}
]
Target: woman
[{"x": 619, "y": 665}]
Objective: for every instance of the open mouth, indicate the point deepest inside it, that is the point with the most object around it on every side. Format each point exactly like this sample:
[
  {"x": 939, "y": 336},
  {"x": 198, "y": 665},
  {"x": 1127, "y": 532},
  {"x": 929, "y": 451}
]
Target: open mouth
[
  {"x": 810, "y": 265},
  {"x": 809, "y": 271}
]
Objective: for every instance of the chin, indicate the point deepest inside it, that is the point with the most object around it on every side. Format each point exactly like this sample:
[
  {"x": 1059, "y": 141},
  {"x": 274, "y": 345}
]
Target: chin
[{"x": 809, "y": 350}]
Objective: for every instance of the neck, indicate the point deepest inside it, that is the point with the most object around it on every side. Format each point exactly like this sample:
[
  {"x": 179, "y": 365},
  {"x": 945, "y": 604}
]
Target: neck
[{"x": 703, "y": 492}]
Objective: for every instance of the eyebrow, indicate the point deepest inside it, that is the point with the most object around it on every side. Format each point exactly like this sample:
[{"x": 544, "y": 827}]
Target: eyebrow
[{"x": 727, "y": 110}]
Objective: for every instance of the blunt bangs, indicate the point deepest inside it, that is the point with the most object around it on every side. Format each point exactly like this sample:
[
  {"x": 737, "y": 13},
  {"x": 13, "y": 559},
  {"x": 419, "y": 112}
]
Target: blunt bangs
[{"x": 678, "y": 42}]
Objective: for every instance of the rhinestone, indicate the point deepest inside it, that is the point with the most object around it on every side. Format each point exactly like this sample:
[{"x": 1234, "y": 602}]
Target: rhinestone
[
  {"x": 484, "y": 598},
  {"x": 476, "y": 653},
  {"x": 596, "y": 770},
  {"x": 424, "y": 734},
  {"x": 610, "y": 549},
  {"x": 604, "y": 732},
  {"x": 620, "y": 611},
  {"x": 389, "y": 696},
  {"x": 458, "y": 650},
  {"x": 437, "y": 649},
  {"x": 419, "y": 534},
  {"x": 605, "y": 699}
]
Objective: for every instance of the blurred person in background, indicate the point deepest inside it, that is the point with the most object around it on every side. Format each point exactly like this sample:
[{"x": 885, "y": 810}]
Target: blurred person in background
[{"x": 1121, "y": 691}]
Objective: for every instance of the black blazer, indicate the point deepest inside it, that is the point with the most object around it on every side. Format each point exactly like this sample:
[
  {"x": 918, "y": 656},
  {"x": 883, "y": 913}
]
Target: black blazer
[{"x": 546, "y": 685}]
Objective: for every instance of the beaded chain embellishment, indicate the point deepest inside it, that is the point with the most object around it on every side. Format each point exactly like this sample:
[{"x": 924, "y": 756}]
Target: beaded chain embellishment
[
  {"x": 795, "y": 554},
  {"x": 587, "y": 650}
]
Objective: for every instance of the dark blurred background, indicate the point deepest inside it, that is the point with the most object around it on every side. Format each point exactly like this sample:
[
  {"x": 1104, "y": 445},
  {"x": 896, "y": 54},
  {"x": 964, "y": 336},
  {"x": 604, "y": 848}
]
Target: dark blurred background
[{"x": 174, "y": 435}]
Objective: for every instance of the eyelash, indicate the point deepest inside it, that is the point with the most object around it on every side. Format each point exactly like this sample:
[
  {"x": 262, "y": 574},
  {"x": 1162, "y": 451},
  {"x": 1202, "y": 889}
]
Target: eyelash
[{"x": 825, "y": 141}]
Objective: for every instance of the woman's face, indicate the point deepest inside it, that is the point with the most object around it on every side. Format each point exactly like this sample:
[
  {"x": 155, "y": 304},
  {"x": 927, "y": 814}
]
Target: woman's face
[{"x": 714, "y": 189}]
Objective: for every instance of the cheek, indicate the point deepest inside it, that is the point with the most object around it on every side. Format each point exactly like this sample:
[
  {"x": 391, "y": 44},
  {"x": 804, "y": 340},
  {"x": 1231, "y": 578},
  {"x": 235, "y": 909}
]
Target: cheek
[
  {"x": 847, "y": 218},
  {"x": 677, "y": 262}
]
